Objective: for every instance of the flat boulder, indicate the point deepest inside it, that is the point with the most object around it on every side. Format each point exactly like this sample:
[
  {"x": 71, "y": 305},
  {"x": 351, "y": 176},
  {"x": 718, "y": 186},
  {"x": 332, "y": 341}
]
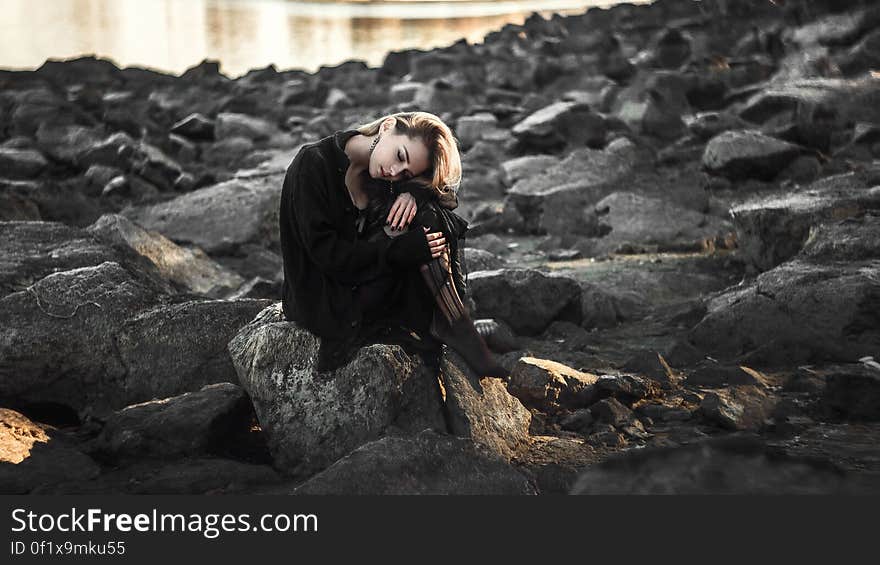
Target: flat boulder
[
  {"x": 626, "y": 218},
  {"x": 549, "y": 386},
  {"x": 794, "y": 313},
  {"x": 218, "y": 218},
  {"x": 747, "y": 154},
  {"x": 559, "y": 200},
  {"x": 852, "y": 239},
  {"x": 428, "y": 463},
  {"x": 185, "y": 425},
  {"x": 772, "y": 229},
  {"x": 558, "y": 125},
  {"x": 21, "y": 163},
  {"x": 189, "y": 267},
  {"x": 526, "y": 299},
  {"x": 310, "y": 418},
  {"x": 739, "y": 407}
]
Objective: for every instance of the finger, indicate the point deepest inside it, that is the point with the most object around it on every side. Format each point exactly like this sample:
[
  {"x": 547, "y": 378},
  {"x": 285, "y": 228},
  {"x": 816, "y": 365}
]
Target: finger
[
  {"x": 412, "y": 212},
  {"x": 396, "y": 224},
  {"x": 393, "y": 211}
]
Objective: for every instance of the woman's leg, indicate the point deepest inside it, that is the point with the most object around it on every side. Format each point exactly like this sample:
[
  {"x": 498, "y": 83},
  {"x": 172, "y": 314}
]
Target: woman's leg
[{"x": 451, "y": 322}]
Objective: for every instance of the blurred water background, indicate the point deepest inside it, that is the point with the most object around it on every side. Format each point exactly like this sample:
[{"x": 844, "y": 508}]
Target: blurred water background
[{"x": 173, "y": 35}]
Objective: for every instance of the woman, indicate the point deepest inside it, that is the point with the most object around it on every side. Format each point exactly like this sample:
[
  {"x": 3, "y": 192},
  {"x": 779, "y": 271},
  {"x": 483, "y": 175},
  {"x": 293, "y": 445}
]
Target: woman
[{"x": 349, "y": 285}]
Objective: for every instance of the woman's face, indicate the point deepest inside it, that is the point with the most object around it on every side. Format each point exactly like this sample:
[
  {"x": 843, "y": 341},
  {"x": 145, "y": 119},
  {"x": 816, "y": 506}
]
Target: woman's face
[{"x": 397, "y": 157}]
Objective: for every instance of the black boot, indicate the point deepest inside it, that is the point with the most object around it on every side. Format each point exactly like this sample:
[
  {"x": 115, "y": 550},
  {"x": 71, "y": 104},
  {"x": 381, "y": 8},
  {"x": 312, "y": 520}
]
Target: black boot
[{"x": 453, "y": 325}]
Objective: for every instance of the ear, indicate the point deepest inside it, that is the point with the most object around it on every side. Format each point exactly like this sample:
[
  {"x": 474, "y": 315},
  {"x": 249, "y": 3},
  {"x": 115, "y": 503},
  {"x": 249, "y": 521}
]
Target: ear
[{"x": 388, "y": 124}]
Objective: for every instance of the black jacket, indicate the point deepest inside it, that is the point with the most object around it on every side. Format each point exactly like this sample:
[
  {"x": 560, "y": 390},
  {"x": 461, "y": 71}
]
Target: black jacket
[{"x": 324, "y": 261}]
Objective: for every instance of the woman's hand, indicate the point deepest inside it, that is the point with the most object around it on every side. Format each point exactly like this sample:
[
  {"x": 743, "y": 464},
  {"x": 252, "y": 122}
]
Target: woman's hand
[
  {"x": 402, "y": 211},
  {"x": 436, "y": 243}
]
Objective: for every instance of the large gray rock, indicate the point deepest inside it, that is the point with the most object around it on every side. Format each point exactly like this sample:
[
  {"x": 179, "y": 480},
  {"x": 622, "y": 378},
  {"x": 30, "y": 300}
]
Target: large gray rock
[
  {"x": 31, "y": 250},
  {"x": 186, "y": 425},
  {"x": 33, "y": 454},
  {"x": 560, "y": 200},
  {"x": 740, "y": 407},
  {"x": 559, "y": 124},
  {"x": 482, "y": 410},
  {"x": 773, "y": 229},
  {"x": 189, "y": 267},
  {"x": 21, "y": 163},
  {"x": 735, "y": 466},
  {"x": 853, "y": 239},
  {"x": 99, "y": 338},
  {"x": 425, "y": 464},
  {"x": 629, "y": 218},
  {"x": 794, "y": 313},
  {"x": 748, "y": 154},
  {"x": 218, "y": 218},
  {"x": 526, "y": 166},
  {"x": 527, "y": 300},
  {"x": 311, "y": 419},
  {"x": 230, "y": 124}
]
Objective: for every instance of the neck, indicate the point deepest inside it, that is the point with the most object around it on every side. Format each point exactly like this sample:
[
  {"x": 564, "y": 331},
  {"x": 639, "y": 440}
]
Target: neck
[{"x": 358, "y": 151}]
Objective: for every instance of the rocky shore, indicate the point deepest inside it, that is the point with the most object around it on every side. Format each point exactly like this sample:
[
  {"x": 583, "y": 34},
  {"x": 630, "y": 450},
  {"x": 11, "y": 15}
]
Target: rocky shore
[{"x": 674, "y": 248}]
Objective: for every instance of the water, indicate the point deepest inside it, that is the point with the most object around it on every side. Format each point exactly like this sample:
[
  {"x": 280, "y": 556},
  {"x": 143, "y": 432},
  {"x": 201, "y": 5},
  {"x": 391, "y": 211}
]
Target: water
[{"x": 172, "y": 35}]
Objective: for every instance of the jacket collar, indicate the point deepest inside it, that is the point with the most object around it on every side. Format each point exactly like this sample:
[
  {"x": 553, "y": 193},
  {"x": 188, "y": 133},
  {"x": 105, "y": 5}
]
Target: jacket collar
[{"x": 340, "y": 138}]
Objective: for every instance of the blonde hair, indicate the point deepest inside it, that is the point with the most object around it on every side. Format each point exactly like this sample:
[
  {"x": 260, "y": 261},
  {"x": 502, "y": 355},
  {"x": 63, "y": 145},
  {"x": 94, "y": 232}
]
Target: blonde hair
[{"x": 444, "y": 174}]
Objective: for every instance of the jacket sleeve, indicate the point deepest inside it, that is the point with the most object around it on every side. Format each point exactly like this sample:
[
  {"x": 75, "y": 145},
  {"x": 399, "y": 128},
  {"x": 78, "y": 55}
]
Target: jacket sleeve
[{"x": 349, "y": 262}]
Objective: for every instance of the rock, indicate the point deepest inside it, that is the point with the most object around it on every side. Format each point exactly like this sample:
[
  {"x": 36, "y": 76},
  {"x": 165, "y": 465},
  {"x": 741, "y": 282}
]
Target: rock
[
  {"x": 114, "y": 151},
  {"x": 628, "y": 218},
  {"x": 525, "y": 299},
  {"x": 32, "y": 250},
  {"x": 853, "y": 239},
  {"x": 865, "y": 56},
  {"x": 514, "y": 170},
  {"x": 706, "y": 125},
  {"x": 104, "y": 324},
  {"x": 736, "y": 466},
  {"x": 440, "y": 96},
  {"x": 219, "y": 218},
  {"x": 747, "y": 154},
  {"x": 852, "y": 392},
  {"x": 480, "y": 260},
  {"x": 258, "y": 288},
  {"x": 153, "y": 165},
  {"x": 671, "y": 49},
  {"x": 311, "y": 419},
  {"x": 99, "y": 176},
  {"x": 471, "y": 129},
  {"x": 550, "y": 386},
  {"x": 578, "y": 421},
  {"x": 773, "y": 229},
  {"x": 775, "y": 320},
  {"x": 403, "y": 92},
  {"x": 196, "y": 475},
  {"x": 664, "y": 413},
  {"x": 740, "y": 407},
  {"x": 559, "y": 201},
  {"x": 713, "y": 375},
  {"x": 21, "y": 163},
  {"x": 15, "y": 205},
  {"x": 67, "y": 143},
  {"x": 653, "y": 116},
  {"x": 628, "y": 388},
  {"x": 560, "y": 124},
  {"x": 196, "y": 127},
  {"x": 424, "y": 464},
  {"x": 229, "y": 124},
  {"x": 186, "y": 425},
  {"x": 611, "y": 411},
  {"x": 33, "y": 454},
  {"x": 482, "y": 409},
  {"x": 227, "y": 153},
  {"x": 836, "y": 29},
  {"x": 189, "y": 267}
]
